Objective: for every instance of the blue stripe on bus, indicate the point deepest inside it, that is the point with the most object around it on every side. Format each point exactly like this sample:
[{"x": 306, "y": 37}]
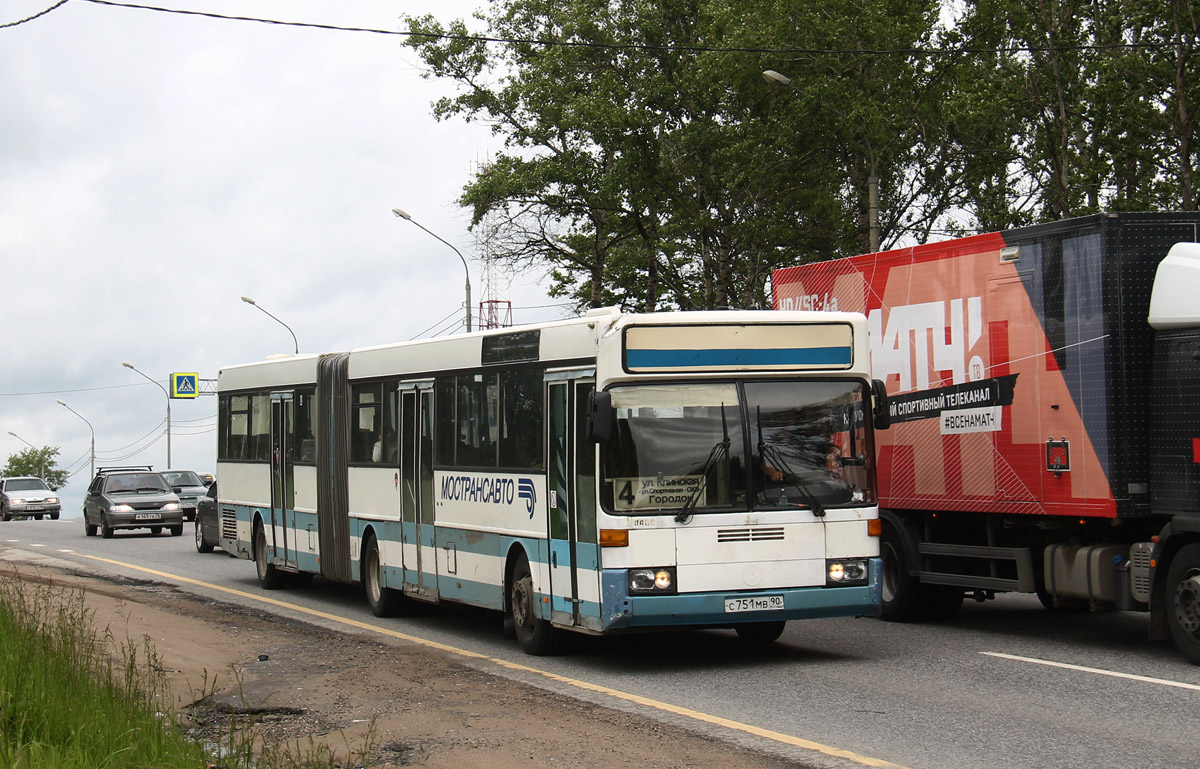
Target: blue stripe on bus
[{"x": 790, "y": 356}]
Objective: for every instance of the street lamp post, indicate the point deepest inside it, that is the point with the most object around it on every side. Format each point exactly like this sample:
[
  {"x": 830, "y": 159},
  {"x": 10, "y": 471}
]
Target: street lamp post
[
  {"x": 131, "y": 367},
  {"x": 89, "y": 424},
  {"x": 296, "y": 344},
  {"x": 35, "y": 448},
  {"x": 405, "y": 215}
]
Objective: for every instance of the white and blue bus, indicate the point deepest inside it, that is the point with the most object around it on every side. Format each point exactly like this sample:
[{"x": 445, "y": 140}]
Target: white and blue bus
[{"x": 608, "y": 473}]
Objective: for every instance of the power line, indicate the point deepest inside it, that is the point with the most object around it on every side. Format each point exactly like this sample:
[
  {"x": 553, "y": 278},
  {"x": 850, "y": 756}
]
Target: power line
[
  {"x": 34, "y": 16},
  {"x": 920, "y": 52},
  {"x": 76, "y": 390}
]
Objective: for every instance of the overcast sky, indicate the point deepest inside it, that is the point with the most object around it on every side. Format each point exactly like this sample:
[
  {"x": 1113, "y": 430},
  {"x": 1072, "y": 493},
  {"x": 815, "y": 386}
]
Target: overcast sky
[{"x": 155, "y": 167}]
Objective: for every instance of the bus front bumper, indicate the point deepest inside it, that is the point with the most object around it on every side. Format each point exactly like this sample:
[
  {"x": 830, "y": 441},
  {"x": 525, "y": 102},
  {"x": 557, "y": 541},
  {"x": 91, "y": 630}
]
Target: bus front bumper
[{"x": 622, "y": 610}]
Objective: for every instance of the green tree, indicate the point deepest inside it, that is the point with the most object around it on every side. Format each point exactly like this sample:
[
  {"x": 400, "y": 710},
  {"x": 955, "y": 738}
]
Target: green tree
[
  {"x": 647, "y": 164},
  {"x": 39, "y": 463}
]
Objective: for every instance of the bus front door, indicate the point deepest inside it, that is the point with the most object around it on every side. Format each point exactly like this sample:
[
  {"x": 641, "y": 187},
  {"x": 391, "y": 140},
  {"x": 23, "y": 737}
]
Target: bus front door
[
  {"x": 416, "y": 490},
  {"x": 570, "y": 478},
  {"x": 283, "y": 486}
]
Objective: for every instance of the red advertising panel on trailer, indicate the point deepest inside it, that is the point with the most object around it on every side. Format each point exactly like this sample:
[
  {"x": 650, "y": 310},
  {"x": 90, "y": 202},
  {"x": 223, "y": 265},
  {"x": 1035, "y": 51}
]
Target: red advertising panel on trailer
[{"x": 1016, "y": 362}]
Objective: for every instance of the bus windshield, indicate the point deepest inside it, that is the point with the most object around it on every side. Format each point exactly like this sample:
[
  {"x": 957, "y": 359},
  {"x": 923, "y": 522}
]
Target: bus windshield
[{"x": 683, "y": 448}]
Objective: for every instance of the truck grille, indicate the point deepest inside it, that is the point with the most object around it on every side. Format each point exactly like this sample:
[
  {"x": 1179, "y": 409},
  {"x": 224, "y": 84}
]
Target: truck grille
[{"x": 1139, "y": 570}]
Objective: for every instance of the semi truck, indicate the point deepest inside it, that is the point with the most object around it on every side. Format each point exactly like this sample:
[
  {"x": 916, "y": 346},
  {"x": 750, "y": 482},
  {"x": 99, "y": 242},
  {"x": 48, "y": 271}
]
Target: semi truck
[{"x": 1044, "y": 396}]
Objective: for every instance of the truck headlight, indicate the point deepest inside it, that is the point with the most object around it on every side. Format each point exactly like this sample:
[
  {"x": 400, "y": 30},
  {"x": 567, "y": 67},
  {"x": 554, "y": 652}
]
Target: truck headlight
[
  {"x": 846, "y": 571},
  {"x": 658, "y": 581}
]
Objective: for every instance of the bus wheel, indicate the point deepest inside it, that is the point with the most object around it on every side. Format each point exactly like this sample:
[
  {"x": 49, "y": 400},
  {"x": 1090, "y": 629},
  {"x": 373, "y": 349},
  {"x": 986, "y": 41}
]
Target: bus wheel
[
  {"x": 268, "y": 576},
  {"x": 536, "y": 636},
  {"x": 384, "y": 601},
  {"x": 1183, "y": 596},
  {"x": 760, "y": 632}
]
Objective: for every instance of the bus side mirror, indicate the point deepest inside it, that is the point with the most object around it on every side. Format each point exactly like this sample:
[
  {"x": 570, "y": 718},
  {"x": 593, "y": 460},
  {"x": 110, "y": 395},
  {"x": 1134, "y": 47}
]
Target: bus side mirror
[
  {"x": 881, "y": 415},
  {"x": 600, "y": 416}
]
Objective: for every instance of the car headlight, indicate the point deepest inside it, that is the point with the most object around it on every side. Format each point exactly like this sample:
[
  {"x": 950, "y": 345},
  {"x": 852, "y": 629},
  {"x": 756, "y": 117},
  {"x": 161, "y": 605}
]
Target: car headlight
[
  {"x": 658, "y": 581},
  {"x": 171, "y": 506},
  {"x": 52, "y": 500},
  {"x": 121, "y": 509},
  {"x": 846, "y": 571}
]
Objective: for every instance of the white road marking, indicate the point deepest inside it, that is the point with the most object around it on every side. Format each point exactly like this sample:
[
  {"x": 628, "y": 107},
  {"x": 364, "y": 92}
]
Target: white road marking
[
  {"x": 35, "y": 544},
  {"x": 1097, "y": 671},
  {"x": 65, "y": 550}
]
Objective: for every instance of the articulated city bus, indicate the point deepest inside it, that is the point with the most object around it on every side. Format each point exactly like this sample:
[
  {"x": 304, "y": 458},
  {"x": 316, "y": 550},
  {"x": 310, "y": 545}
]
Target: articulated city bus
[{"x": 601, "y": 474}]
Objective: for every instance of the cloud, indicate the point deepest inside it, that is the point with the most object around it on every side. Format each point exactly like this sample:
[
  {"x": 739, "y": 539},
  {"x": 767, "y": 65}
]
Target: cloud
[{"x": 155, "y": 167}]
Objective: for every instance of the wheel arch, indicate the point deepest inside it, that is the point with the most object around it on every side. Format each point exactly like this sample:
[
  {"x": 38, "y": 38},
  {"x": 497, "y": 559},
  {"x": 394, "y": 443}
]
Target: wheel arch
[
  {"x": 1175, "y": 536},
  {"x": 368, "y": 534},
  {"x": 908, "y": 538},
  {"x": 515, "y": 551}
]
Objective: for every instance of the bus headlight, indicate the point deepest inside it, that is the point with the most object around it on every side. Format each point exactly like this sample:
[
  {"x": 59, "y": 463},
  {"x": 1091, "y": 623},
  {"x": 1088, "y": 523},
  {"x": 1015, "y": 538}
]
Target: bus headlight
[
  {"x": 652, "y": 581},
  {"x": 846, "y": 571}
]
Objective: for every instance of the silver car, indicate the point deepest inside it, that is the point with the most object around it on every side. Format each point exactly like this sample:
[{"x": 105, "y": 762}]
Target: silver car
[
  {"x": 189, "y": 487},
  {"x": 130, "y": 499},
  {"x": 27, "y": 496}
]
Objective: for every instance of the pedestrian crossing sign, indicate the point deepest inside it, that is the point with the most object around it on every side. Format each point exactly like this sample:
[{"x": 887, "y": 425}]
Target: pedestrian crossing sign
[{"x": 185, "y": 385}]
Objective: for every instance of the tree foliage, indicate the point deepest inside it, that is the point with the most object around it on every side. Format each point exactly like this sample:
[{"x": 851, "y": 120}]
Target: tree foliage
[
  {"x": 39, "y": 463},
  {"x": 647, "y": 163}
]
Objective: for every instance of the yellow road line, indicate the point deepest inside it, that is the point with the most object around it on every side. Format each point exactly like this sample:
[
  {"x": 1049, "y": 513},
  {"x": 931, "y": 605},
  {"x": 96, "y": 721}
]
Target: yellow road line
[{"x": 666, "y": 707}]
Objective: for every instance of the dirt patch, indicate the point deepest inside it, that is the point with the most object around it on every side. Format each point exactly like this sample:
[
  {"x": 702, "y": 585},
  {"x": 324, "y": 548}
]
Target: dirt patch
[{"x": 416, "y": 706}]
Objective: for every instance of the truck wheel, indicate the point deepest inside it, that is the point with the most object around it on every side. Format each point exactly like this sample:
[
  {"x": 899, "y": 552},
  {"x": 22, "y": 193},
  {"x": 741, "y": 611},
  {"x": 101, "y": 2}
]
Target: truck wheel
[
  {"x": 899, "y": 590},
  {"x": 1183, "y": 601},
  {"x": 536, "y": 635}
]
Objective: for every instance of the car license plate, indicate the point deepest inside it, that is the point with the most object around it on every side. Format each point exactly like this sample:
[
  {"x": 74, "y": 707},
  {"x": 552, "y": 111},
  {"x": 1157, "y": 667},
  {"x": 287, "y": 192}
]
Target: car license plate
[
  {"x": 148, "y": 517},
  {"x": 758, "y": 603},
  {"x": 35, "y": 508}
]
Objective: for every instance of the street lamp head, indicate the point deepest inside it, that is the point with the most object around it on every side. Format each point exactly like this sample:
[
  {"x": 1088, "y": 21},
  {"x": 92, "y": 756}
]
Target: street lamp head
[
  {"x": 59, "y": 402},
  {"x": 10, "y": 432},
  {"x": 400, "y": 212},
  {"x": 248, "y": 300},
  {"x": 128, "y": 365},
  {"x": 771, "y": 76}
]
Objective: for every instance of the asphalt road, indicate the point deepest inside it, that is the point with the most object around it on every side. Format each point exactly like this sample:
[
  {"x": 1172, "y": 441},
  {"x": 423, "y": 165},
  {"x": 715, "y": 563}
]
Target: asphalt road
[{"x": 1005, "y": 684}]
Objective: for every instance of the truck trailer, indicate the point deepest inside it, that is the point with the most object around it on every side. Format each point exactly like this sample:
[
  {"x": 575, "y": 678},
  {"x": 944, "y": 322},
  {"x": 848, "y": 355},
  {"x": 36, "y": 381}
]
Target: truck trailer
[{"x": 1044, "y": 395}]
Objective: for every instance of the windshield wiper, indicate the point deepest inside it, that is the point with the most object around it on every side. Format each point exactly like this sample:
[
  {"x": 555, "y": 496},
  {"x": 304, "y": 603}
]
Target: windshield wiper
[
  {"x": 772, "y": 456},
  {"x": 718, "y": 453},
  {"x": 150, "y": 488}
]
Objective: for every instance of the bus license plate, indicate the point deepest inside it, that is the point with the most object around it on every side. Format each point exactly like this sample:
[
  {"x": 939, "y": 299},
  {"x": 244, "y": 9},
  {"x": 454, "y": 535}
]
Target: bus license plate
[
  {"x": 759, "y": 603},
  {"x": 147, "y": 517}
]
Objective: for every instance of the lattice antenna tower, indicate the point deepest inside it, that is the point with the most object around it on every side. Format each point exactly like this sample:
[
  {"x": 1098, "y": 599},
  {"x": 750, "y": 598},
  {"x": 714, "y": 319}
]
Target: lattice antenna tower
[{"x": 494, "y": 311}]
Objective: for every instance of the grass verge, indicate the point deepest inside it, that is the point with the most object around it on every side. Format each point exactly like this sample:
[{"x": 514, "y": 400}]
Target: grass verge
[{"x": 72, "y": 697}]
